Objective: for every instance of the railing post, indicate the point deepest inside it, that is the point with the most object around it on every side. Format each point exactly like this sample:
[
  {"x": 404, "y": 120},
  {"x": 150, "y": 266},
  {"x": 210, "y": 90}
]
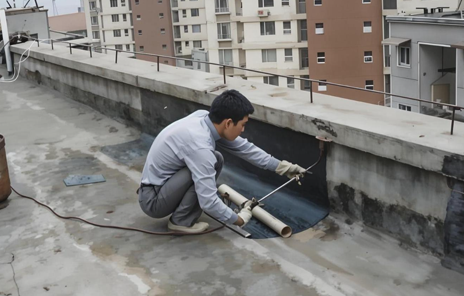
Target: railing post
[
  {"x": 311, "y": 91},
  {"x": 158, "y": 63},
  {"x": 38, "y": 43},
  {"x": 224, "y": 73},
  {"x": 70, "y": 48},
  {"x": 90, "y": 49},
  {"x": 452, "y": 121},
  {"x": 116, "y": 58},
  {"x": 52, "y": 45}
]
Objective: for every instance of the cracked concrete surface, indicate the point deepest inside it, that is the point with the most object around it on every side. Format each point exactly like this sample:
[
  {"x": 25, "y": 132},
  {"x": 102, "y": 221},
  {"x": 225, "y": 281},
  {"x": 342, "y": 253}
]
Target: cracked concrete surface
[{"x": 49, "y": 137}]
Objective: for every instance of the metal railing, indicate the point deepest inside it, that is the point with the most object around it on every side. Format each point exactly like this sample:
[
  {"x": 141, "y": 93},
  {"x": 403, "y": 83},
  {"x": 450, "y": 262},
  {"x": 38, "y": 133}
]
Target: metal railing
[
  {"x": 224, "y": 36},
  {"x": 222, "y": 9},
  {"x": 454, "y": 108}
]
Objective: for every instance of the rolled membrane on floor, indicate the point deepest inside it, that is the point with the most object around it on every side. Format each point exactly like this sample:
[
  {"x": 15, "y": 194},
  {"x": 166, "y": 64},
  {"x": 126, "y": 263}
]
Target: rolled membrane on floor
[{"x": 260, "y": 214}]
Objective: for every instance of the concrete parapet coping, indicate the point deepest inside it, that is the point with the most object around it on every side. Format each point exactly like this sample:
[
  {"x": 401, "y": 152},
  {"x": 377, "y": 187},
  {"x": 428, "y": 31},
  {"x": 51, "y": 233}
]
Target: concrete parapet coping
[{"x": 415, "y": 139}]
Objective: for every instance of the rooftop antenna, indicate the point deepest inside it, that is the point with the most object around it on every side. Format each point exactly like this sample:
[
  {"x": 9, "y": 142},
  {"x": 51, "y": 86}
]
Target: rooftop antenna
[{"x": 55, "y": 9}]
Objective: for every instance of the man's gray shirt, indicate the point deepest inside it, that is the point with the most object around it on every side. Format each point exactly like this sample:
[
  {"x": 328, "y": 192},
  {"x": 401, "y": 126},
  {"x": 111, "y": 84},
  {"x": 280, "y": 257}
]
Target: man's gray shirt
[{"x": 191, "y": 142}]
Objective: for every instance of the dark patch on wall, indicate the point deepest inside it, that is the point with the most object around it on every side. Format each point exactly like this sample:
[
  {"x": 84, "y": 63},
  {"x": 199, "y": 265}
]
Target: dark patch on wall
[
  {"x": 454, "y": 229},
  {"x": 454, "y": 166},
  {"x": 321, "y": 125},
  {"x": 408, "y": 226}
]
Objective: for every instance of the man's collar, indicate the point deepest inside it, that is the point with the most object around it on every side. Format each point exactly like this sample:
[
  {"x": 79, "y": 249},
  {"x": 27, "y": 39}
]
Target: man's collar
[{"x": 212, "y": 128}]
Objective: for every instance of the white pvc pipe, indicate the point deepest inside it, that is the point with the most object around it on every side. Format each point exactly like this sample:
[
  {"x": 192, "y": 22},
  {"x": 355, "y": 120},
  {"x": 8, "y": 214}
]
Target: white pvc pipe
[
  {"x": 6, "y": 38},
  {"x": 260, "y": 214}
]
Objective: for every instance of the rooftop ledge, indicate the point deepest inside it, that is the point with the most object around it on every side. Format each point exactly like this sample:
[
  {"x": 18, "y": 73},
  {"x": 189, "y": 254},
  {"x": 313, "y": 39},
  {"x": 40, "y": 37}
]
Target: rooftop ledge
[{"x": 415, "y": 139}]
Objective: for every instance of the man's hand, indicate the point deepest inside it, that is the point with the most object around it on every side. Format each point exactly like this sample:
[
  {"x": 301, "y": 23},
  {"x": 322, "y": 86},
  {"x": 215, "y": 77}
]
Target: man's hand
[
  {"x": 289, "y": 169},
  {"x": 245, "y": 216}
]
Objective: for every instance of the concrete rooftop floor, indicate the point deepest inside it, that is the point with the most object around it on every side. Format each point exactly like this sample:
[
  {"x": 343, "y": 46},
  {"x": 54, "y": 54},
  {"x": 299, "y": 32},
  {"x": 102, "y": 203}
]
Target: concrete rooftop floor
[{"x": 49, "y": 137}]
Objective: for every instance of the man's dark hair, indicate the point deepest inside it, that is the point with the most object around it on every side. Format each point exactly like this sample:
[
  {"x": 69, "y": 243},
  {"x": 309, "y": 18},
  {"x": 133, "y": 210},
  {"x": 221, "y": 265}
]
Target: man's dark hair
[{"x": 230, "y": 104}]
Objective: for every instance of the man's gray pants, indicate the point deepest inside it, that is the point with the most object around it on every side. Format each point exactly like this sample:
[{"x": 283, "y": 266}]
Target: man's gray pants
[{"x": 177, "y": 197}]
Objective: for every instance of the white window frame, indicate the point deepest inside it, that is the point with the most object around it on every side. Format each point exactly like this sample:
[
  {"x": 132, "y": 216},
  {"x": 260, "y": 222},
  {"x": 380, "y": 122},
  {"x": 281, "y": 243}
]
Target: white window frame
[
  {"x": 161, "y": 15},
  {"x": 187, "y": 44},
  {"x": 126, "y": 32},
  {"x": 264, "y": 26},
  {"x": 265, "y": 55},
  {"x": 196, "y": 26},
  {"x": 141, "y": 48},
  {"x": 124, "y": 17},
  {"x": 224, "y": 31},
  {"x": 285, "y": 2},
  {"x": 319, "y": 31},
  {"x": 184, "y": 13},
  {"x": 366, "y": 1},
  {"x": 196, "y": 41},
  {"x": 288, "y": 58},
  {"x": 140, "y": 32},
  {"x": 287, "y": 31},
  {"x": 115, "y": 18},
  {"x": 367, "y": 29},
  {"x": 265, "y": 3},
  {"x": 195, "y": 9},
  {"x": 368, "y": 58},
  {"x": 267, "y": 80},
  {"x": 400, "y": 63},
  {"x": 139, "y": 17},
  {"x": 97, "y": 34},
  {"x": 222, "y": 57},
  {"x": 118, "y": 46},
  {"x": 114, "y": 3},
  {"x": 92, "y": 20},
  {"x": 163, "y": 31},
  {"x": 321, "y": 59},
  {"x": 123, "y": 3},
  {"x": 369, "y": 86},
  {"x": 186, "y": 29},
  {"x": 164, "y": 47},
  {"x": 290, "y": 82},
  {"x": 188, "y": 63},
  {"x": 318, "y": 4},
  {"x": 405, "y": 107},
  {"x": 127, "y": 47},
  {"x": 322, "y": 86},
  {"x": 116, "y": 33},
  {"x": 92, "y": 5}
]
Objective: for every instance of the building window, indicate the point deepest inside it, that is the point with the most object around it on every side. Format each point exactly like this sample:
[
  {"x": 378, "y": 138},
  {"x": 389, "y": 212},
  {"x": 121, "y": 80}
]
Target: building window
[
  {"x": 187, "y": 44},
  {"x": 123, "y": 2},
  {"x": 114, "y": 3},
  {"x": 269, "y": 55},
  {"x": 117, "y": 33},
  {"x": 163, "y": 31},
  {"x": 404, "y": 107},
  {"x": 115, "y": 18},
  {"x": 161, "y": 15},
  {"x": 266, "y": 3},
  {"x": 404, "y": 59},
  {"x": 291, "y": 82},
  {"x": 273, "y": 80},
  {"x": 164, "y": 46},
  {"x": 286, "y": 3},
  {"x": 317, "y": 2},
  {"x": 96, "y": 35},
  {"x": 319, "y": 28},
  {"x": 288, "y": 54},
  {"x": 124, "y": 17},
  {"x": 322, "y": 86},
  {"x": 139, "y": 17},
  {"x": 142, "y": 48},
  {"x": 137, "y": 2},
  {"x": 368, "y": 57},
  {"x": 195, "y": 12},
  {"x": 225, "y": 57},
  {"x": 321, "y": 57},
  {"x": 367, "y": 27},
  {"x": 267, "y": 28},
  {"x": 186, "y": 29},
  {"x": 196, "y": 44},
  {"x": 127, "y": 47},
  {"x": 303, "y": 30},
  {"x": 126, "y": 32},
  {"x": 118, "y": 47},
  {"x": 92, "y": 5},
  {"x": 184, "y": 13},
  {"x": 140, "y": 32},
  {"x": 223, "y": 31},
  {"x": 369, "y": 84},
  {"x": 304, "y": 58},
  {"x": 196, "y": 29},
  {"x": 188, "y": 63},
  {"x": 366, "y": 1},
  {"x": 287, "y": 28},
  {"x": 160, "y": 1},
  {"x": 305, "y": 84},
  {"x": 94, "y": 20}
]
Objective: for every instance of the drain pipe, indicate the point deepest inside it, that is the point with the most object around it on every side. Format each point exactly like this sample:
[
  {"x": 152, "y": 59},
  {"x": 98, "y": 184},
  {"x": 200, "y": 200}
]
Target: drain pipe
[{"x": 5, "y": 189}]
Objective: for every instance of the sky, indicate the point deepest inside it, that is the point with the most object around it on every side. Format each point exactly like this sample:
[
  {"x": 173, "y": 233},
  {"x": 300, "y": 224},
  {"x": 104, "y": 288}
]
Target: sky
[{"x": 64, "y": 6}]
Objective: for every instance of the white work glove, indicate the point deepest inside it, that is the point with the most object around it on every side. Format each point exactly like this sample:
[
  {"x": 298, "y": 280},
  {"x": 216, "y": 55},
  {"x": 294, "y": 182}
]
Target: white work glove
[
  {"x": 289, "y": 169},
  {"x": 245, "y": 214}
]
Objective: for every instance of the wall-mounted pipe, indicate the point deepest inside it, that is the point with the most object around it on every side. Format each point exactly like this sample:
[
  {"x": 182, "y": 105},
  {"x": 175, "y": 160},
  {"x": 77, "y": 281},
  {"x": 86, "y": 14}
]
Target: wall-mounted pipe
[{"x": 259, "y": 213}]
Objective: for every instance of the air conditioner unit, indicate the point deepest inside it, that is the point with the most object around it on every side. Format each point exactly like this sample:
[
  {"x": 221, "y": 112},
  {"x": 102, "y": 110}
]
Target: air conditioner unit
[{"x": 264, "y": 12}]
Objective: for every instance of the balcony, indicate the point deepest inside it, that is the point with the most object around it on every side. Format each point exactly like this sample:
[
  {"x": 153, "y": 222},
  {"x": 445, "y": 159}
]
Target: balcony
[
  {"x": 224, "y": 37},
  {"x": 222, "y": 10}
]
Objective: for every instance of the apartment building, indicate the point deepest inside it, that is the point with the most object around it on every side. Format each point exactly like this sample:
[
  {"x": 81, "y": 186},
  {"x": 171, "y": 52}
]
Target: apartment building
[
  {"x": 111, "y": 22},
  {"x": 153, "y": 29},
  {"x": 344, "y": 44},
  {"x": 405, "y": 7}
]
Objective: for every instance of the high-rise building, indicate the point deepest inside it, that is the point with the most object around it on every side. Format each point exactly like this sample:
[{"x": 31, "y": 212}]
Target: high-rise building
[
  {"x": 153, "y": 29},
  {"x": 344, "y": 44},
  {"x": 110, "y": 21}
]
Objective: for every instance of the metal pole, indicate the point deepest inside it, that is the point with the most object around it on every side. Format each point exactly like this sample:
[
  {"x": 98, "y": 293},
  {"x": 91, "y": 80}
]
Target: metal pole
[
  {"x": 116, "y": 58},
  {"x": 90, "y": 49},
  {"x": 38, "y": 43},
  {"x": 52, "y": 45},
  {"x": 311, "y": 91},
  {"x": 224, "y": 73},
  {"x": 452, "y": 121},
  {"x": 70, "y": 48},
  {"x": 158, "y": 62}
]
